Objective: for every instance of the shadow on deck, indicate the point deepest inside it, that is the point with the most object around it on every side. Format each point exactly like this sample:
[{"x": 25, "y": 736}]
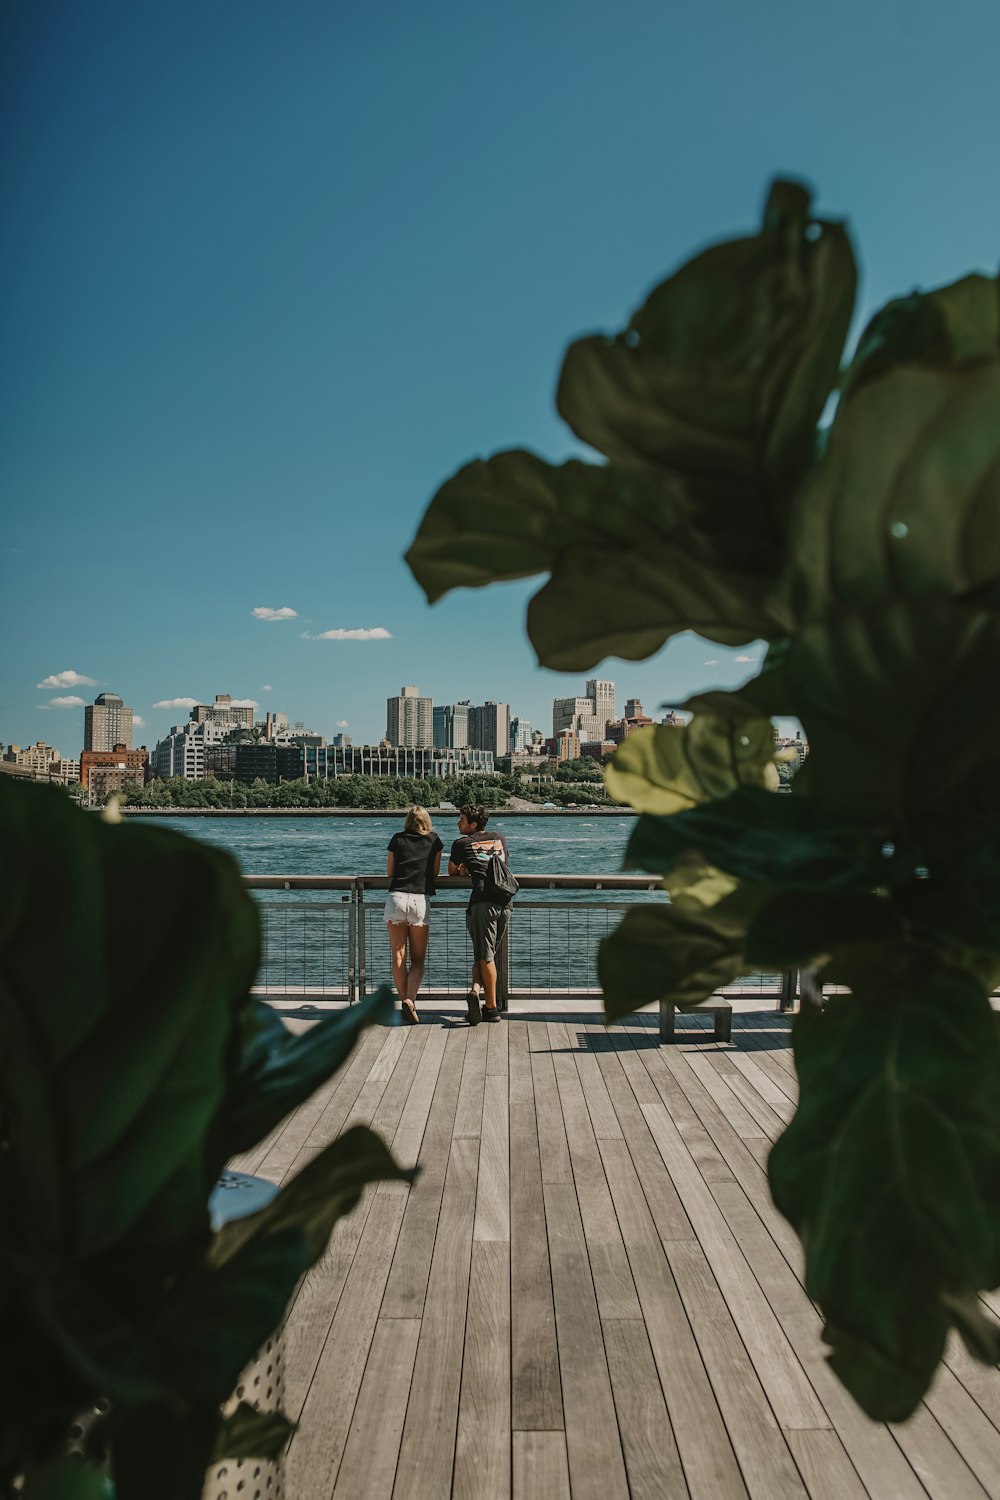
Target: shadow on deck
[{"x": 588, "y": 1292}]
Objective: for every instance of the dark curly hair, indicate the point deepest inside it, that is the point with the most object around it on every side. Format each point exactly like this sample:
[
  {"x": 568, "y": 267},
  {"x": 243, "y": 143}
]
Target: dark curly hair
[{"x": 475, "y": 812}]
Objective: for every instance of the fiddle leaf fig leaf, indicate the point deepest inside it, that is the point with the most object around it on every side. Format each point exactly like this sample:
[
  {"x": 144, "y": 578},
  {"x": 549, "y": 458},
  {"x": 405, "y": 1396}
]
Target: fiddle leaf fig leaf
[
  {"x": 760, "y": 836},
  {"x": 682, "y": 952},
  {"x": 667, "y": 768},
  {"x": 249, "y": 1433},
  {"x": 604, "y": 535},
  {"x": 797, "y": 927},
  {"x": 723, "y": 372},
  {"x": 890, "y": 1173},
  {"x": 953, "y": 325}
]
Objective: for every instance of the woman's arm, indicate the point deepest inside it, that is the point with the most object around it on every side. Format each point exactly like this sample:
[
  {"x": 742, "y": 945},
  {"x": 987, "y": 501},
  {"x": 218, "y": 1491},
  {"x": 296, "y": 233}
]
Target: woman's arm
[
  {"x": 437, "y": 864},
  {"x": 390, "y": 864}
]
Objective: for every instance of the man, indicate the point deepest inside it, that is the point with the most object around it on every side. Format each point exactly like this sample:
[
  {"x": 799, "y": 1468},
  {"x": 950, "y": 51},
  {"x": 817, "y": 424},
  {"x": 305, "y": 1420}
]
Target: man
[{"x": 486, "y": 922}]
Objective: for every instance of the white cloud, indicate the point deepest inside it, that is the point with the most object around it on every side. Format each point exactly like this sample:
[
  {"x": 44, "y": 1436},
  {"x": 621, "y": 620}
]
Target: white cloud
[
  {"x": 343, "y": 723},
  {"x": 264, "y": 612},
  {"x": 713, "y": 663},
  {"x": 138, "y": 722},
  {"x": 742, "y": 658},
  {"x": 376, "y": 633},
  {"x": 177, "y": 703},
  {"x": 65, "y": 703},
  {"x": 245, "y": 703},
  {"x": 266, "y": 688},
  {"x": 67, "y": 679}
]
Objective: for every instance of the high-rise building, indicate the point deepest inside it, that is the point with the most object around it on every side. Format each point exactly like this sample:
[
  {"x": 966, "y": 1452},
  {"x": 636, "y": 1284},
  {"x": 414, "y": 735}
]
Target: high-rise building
[
  {"x": 225, "y": 711},
  {"x": 602, "y": 697},
  {"x": 107, "y": 723},
  {"x": 410, "y": 720},
  {"x": 520, "y": 734},
  {"x": 566, "y": 712},
  {"x": 182, "y": 751},
  {"x": 489, "y": 727},
  {"x": 451, "y": 726},
  {"x": 633, "y": 709}
]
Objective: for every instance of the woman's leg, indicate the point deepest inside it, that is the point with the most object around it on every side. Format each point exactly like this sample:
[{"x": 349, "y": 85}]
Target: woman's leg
[
  {"x": 397, "y": 948},
  {"x": 418, "y": 958}
]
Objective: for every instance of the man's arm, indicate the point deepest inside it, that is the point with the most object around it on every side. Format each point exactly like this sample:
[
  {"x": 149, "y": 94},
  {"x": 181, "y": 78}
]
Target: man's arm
[{"x": 456, "y": 867}]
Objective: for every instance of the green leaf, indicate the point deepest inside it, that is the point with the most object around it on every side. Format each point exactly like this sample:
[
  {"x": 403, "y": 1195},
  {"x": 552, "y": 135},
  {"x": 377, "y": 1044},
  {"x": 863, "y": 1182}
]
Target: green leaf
[
  {"x": 249, "y": 1433},
  {"x": 665, "y": 953},
  {"x": 722, "y": 374},
  {"x": 797, "y": 927},
  {"x": 954, "y": 325},
  {"x": 70, "y": 1478},
  {"x": 760, "y": 836},
  {"x": 603, "y": 535},
  {"x": 277, "y": 1069},
  {"x": 327, "y": 1188},
  {"x": 667, "y": 768},
  {"x": 890, "y": 1172}
]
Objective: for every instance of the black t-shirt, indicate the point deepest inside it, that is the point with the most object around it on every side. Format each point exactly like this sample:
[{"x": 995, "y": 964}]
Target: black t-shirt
[
  {"x": 413, "y": 867},
  {"x": 473, "y": 850}
]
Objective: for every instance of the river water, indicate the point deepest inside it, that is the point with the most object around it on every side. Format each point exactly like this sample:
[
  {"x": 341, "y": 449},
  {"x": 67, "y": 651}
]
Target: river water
[{"x": 549, "y": 845}]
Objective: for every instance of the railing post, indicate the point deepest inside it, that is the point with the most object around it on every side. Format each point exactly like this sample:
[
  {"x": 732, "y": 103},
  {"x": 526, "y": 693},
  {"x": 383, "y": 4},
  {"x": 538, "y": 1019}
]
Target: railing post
[
  {"x": 789, "y": 986},
  {"x": 503, "y": 967},
  {"x": 352, "y": 946},
  {"x": 362, "y": 957}
]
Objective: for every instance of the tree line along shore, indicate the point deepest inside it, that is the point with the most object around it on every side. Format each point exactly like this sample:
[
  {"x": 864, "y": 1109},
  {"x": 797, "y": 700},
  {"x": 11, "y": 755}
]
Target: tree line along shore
[{"x": 371, "y": 794}]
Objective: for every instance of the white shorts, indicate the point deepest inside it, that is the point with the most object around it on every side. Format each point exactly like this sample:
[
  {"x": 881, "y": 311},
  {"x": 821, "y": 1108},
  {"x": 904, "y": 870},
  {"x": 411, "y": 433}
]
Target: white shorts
[{"x": 405, "y": 906}]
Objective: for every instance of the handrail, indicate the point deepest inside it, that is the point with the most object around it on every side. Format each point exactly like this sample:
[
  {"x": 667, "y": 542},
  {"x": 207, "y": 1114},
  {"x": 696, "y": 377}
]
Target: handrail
[{"x": 452, "y": 882}]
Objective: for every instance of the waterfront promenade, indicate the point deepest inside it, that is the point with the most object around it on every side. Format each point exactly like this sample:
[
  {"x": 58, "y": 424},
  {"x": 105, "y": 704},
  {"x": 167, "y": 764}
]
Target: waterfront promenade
[{"x": 587, "y": 1293}]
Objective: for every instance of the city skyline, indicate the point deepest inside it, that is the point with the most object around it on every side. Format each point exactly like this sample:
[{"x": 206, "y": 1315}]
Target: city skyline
[{"x": 260, "y": 297}]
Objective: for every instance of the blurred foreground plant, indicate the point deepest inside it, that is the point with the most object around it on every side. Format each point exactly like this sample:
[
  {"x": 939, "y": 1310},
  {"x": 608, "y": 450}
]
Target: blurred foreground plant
[
  {"x": 134, "y": 1063},
  {"x": 868, "y": 557}
]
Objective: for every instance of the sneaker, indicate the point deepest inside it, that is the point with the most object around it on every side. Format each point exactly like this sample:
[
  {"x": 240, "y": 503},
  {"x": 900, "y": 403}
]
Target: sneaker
[
  {"x": 472, "y": 1007},
  {"x": 491, "y": 1013}
]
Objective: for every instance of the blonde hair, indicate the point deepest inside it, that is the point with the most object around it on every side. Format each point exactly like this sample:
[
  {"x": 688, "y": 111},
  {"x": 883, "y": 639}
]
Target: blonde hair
[{"x": 418, "y": 820}]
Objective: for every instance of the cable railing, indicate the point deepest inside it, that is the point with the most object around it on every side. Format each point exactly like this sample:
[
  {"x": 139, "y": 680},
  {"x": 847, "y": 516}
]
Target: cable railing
[{"x": 325, "y": 938}]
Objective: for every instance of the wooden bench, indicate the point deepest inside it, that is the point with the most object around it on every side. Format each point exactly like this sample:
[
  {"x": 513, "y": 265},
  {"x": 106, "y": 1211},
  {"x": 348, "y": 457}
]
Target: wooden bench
[{"x": 720, "y": 1009}]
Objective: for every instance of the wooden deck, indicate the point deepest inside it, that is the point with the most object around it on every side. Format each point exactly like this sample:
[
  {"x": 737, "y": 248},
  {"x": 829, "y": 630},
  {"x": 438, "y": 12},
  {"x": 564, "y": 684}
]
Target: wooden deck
[{"x": 587, "y": 1293}]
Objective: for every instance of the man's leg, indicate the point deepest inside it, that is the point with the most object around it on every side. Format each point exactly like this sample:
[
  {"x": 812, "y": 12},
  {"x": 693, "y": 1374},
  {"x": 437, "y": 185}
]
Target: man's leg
[{"x": 473, "y": 998}]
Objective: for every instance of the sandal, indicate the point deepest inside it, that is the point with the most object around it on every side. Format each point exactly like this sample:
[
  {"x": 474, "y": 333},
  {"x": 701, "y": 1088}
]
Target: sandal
[{"x": 410, "y": 1012}]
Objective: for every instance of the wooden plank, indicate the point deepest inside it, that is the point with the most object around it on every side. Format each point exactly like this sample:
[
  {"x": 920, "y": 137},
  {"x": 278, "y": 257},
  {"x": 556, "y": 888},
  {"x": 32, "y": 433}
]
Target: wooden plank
[
  {"x": 707, "y": 1455},
  {"x": 616, "y": 1297},
  {"x": 824, "y": 1465},
  {"x": 404, "y": 1294},
  {"x": 385, "y": 1120},
  {"x": 368, "y": 1468},
  {"x": 603, "y": 1119},
  {"x": 773, "y": 1359},
  {"x": 536, "y": 1392},
  {"x": 759, "y": 1069},
  {"x": 700, "y": 1147},
  {"x": 469, "y": 1115},
  {"x": 522, "y": 1090},
  {"x": 596, "y": 1463},
  {"x": 427, "y": 1450},
  {"x": 552, "y": 1146},
  {"x": 968, "y": 1426},
  {"x": 652, "y": 1461},
  {"x": 482, "y": 1449},
  {"x": 766, "y": 1463},
  {"x": 497, "y": 1044},
  {"x": 745, "y": 1122},
  {"x": 771, "y": 1118},
  {"x": 938, "y": 1465},
  {"x": 870, "y": 1446},
  {"x": 329, "y": 1406},
  {"x": 982, "y": 1382},
  {"x": 541, "y": 1471},
  {"x": 493, "y": 1191},
  {"x": 413, "y": 1120}
]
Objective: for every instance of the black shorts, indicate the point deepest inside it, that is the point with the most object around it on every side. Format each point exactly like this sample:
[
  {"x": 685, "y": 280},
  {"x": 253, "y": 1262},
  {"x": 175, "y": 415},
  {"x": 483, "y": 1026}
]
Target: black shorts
[{"x": 487, "y": 925}]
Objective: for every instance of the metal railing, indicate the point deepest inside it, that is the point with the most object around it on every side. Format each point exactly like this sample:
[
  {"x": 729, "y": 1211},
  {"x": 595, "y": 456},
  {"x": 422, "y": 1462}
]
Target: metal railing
[{"x": 325, "y": 939}]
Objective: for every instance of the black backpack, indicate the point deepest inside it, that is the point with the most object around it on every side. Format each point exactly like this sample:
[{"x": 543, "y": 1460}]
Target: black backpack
[{"x": 499, "y": 886}]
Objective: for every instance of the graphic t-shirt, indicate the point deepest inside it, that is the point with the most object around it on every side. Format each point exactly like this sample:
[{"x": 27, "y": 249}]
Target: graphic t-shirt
[
  {"x": 473, "y": 850},
  {"x": 413, "y": 860}
]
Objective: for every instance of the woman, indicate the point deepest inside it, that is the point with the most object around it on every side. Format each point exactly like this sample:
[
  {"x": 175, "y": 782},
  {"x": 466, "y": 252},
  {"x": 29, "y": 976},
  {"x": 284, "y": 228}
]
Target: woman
[{"x": 412, "y": 866}]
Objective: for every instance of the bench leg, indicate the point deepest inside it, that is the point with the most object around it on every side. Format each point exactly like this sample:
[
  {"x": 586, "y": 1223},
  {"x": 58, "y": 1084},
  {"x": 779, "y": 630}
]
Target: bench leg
[
  {"x": 724, "y": 1024},
  {"x": 666, "y": 1021}
]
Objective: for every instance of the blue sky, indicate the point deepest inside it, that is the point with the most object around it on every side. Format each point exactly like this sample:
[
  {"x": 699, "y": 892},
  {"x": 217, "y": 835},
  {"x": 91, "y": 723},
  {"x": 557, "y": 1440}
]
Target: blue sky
[{"x": 271, "y": 272}]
